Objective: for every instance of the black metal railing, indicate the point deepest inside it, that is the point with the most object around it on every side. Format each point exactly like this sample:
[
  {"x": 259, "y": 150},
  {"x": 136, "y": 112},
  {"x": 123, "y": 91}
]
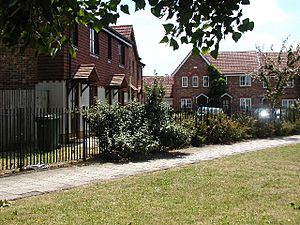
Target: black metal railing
[{"x": 44, "y": 136}]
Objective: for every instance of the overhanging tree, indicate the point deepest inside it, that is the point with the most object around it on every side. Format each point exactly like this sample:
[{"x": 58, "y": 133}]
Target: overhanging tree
[
  {"x": 277, "y": 70},
  {"x": 42, "y": 24},
  {"x": 217, "y": 86}
]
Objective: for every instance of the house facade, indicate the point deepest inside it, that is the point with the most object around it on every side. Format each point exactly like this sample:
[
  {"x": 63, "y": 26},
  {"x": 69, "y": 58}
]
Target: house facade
[
  {"x": 191, "y": 82},
  {"x": 107, "y": 66}
]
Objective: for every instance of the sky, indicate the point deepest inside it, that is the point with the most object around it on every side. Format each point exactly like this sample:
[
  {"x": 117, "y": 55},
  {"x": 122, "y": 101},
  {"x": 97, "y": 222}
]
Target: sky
[{"x": 275, "y": 20}]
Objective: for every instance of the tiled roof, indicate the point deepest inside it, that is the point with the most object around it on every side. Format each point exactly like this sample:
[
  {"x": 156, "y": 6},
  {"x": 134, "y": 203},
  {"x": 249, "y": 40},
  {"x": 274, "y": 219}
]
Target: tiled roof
[
  {"x": 117, "y": 80},
  {"x": 166, "y": 81},
  {"x": 235, "y": 62},
  {"x": 124, "y": 30},
  {"x": 87, "y": 72}
]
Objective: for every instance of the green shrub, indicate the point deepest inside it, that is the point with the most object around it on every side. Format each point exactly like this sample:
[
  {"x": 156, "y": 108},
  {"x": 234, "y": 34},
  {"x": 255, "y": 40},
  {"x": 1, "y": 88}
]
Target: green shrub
[
  {"x": 297, "y": 126},
  {"x": 174, "y": 136},
  {"x": 246, "y": 123},
  {"x": 284, "y": 128},
  {"x": 222, "y": 129},
  {"x": 263, "y": 129}
]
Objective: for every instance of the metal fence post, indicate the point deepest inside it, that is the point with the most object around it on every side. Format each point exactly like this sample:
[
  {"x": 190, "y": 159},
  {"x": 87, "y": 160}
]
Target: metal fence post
[{"x": 21, "y": 118}]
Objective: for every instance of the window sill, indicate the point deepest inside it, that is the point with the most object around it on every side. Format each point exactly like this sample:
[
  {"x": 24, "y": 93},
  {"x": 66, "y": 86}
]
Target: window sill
[
  {"x": 108, "y": 61},
  {"x": 121, "y": 66},
  {"x": 94, "y": 55}
]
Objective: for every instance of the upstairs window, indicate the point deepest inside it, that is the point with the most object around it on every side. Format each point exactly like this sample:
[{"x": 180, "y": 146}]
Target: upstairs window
[
  {"x": 121, "y": 51},
  {"x": 74, "y": 35},
  {"x": 109, "y": 50},
  {"x": 205, "y": 81},
  {"x": 245, "y": 80},
  {"x": 195, "y": 82},
  {"x": 94, "y": 42},
  {"x": 184, "y": 82}
]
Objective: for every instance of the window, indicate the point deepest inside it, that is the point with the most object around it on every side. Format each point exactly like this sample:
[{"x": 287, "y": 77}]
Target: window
[
  {"x": 195, "y": 81},
  {"x": 226, "y": 80},
  {"x": 184, "y": 82},
  {"x": 205, "y": 81},
  {"x": 94, "y": 42},
  {"x": 245, "y": 80},
  {"x": 290, "y": 83},
  {"x": 287, "y": 103},
  {"x": 74, "y": 35},
  {"x": 186, "y": 103},
  {"x": 245, "y": 104},
  {"x": 109, "y": 50},
  {"x": 121, "y": 51}
]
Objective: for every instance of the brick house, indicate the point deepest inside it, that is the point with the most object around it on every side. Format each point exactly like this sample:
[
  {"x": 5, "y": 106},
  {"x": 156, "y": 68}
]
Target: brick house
[
  {"x": 107, "y": 66},
  {"x": 191, "y": 82}
]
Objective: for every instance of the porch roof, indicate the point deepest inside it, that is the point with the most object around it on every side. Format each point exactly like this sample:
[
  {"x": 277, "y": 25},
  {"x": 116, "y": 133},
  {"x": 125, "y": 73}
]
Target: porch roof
[
  {"x": 87, "y": 72},
  {"x": 118, "y": 80}
]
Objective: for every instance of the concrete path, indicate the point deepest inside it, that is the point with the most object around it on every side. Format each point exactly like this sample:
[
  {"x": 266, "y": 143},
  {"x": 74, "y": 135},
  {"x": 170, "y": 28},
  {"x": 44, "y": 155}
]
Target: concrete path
[{"x": 36, "y": 183}]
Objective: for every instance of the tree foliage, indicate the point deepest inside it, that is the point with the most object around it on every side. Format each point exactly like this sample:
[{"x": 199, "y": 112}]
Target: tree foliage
[
  {"x": 277, "y": 69},
  {"x": 43, "y": 25},
  {"x": 217, "y": 86}
]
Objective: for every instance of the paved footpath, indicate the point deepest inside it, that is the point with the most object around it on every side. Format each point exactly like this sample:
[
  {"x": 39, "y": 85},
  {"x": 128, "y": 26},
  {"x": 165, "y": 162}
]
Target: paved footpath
[{"x": 36, "y": 183}]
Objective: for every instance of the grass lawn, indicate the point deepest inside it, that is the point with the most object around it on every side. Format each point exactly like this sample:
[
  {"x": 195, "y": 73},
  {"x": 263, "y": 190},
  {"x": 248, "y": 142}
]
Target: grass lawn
[{"x": 252, "y": 188}]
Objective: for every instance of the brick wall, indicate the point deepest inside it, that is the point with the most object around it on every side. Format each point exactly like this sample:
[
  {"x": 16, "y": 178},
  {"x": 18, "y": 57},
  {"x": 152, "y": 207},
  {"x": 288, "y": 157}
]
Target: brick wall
[{"x": 17, "y": 71}]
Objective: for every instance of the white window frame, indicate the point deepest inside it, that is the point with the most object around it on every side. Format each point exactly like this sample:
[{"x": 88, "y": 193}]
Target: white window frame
[
  {"x": 245, "y": 104},
  {"x": 205, "y": 81},
  {"x": 290, "y": 83},
  {"x": 92, "y": 40},
  {"x": 245, "y": 80},
  {"x": 184, "y": 81},
  {"x": 195, "y": 81},
  {"x": 287, "y": 103},
  {"x": 226, "y": 80},
  {"x": 187, "y": 102}
]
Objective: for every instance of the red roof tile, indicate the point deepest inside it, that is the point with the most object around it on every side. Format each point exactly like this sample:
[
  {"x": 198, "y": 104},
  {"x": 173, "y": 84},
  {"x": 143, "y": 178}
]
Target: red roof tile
[
  {"x": 166, "y": 81},
  {"x": 235, "y": 62},
  {"x": 124, "y": 30}
]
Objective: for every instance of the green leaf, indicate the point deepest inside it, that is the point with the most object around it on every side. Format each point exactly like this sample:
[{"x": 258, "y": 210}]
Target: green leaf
[
  {"x": 125, "y": 9},
  {"x": 195, "y": 51},
  {"x": 153, "y": 2},
  {"x": 164, "y": 40},
  {"x": 251, "y": 26},
  {"x": 184, "y": 40},
  {"x": 205, "y": 50},
  {"x": 214, "y": 53},
  {"x": 236, "y": 36},
  {"x": 168, "y": 27},
  {"x": 156, "y": 11},
  {"x": 97, "y": 26},
  {"x": 139, "y": 4},
  {"x": 72, "y": 52},
  {"x": 81, "y": 12},
  {"x": 174, "y": 44}
]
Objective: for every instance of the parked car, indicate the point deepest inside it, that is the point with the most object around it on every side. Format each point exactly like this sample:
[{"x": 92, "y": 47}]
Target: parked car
[
  {"x": 269, "y": 113},
  {"x": 204, "y": 110}
]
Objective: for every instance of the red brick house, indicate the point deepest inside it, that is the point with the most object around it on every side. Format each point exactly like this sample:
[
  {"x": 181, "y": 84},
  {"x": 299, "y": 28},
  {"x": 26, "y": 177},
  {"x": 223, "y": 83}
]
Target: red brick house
[
  {"x": 107, "y": 66},
  {"x": 191, "y": 82}
]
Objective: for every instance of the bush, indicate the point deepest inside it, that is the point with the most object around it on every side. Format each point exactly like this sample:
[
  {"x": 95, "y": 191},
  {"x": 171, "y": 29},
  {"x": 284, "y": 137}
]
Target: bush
[
  {"x": 174, "y": 136},
  {"x": 222, "y": 129},
  {"x": 246, "y": 123},
  {"x": 263, "y": 129},
  {"x": 284, "y": 128}
]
